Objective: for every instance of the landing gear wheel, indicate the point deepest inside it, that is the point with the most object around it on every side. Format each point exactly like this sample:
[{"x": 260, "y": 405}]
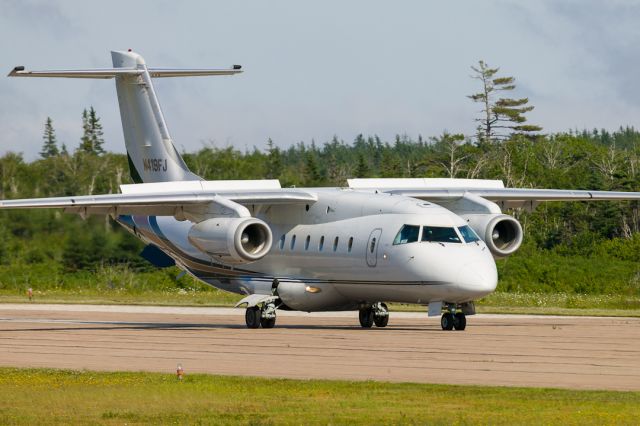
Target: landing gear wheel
[
  {"x": 447, "y": 321},
  {"x": 459, "y": 321},
  {"x": 382, "y": 319},
  {"x": 268, "y": 322},
  {"x": 366, "y": 317},
  {"x": 252, "y": 317}
]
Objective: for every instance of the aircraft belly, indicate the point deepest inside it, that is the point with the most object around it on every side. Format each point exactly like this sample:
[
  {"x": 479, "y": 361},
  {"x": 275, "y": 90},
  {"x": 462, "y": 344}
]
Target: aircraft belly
[{"x": 397, "y": 292}]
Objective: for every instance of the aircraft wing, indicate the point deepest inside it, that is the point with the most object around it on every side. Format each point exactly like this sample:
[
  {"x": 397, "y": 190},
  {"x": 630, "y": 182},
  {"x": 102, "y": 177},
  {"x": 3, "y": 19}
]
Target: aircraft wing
[
  {"x": 492, "y": 190},
  {"x": 162, "y": 204},
  {"x": 517, "y": 197}
]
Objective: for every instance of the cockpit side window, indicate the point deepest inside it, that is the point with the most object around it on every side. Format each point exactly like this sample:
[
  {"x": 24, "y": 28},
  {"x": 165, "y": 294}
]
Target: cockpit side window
[
  {"x": 468, "y": 234},
  {"x": 439, "y": 234},
  {"x": 407, "y": 234}
]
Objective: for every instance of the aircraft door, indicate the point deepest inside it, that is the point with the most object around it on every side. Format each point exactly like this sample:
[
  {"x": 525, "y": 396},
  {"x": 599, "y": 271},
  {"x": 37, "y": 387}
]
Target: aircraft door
[{"x": 372, "y": 247}]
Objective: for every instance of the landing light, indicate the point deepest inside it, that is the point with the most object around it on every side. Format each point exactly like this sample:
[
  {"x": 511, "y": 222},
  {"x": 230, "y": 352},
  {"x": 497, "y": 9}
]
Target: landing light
[{"x": 310, "y": 289}]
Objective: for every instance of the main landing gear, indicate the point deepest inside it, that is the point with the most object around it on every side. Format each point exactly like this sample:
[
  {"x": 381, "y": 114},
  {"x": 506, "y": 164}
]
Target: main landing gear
[
  {"x": 453, "y": 319},
  {"x": 264, "y": 316},
  {"x": 377, "y": 314}
]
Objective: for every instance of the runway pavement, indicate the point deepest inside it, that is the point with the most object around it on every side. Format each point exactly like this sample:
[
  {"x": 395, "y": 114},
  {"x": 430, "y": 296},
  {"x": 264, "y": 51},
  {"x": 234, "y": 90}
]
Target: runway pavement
[{"x": 511, "y": 350}]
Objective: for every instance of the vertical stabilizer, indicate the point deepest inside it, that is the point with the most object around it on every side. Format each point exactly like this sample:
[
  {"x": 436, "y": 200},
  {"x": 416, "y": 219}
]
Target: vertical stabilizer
[{"x": 150, "y": 150}]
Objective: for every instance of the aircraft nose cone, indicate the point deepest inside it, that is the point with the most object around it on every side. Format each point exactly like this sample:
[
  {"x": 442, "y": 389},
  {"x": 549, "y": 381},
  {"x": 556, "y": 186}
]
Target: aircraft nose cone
[{"x": 478, "y": 279}]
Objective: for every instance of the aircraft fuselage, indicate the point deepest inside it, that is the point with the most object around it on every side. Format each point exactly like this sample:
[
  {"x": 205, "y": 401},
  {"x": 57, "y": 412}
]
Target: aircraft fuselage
[{"x": 341, "y": 250}]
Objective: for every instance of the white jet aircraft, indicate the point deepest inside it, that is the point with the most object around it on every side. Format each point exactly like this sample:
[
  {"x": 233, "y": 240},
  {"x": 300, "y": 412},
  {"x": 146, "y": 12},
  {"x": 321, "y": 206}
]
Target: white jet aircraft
[{"x": 423, "y": 241}]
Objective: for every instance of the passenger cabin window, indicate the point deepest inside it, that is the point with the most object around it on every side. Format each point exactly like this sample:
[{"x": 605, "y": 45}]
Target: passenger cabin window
[
  {"x": 468, "y": 234},
  {"x": 335, "y": 244},
  {"x": 350, "y": 244},
  {"x": 321, "y": 245},
  {"x": 407, "y": 234},
  {"x": 306, "y": 242},
  {"x": 439, "y": 234},
  {"x": 282, "y": 242},
  {"x": 293, "y": 242}
]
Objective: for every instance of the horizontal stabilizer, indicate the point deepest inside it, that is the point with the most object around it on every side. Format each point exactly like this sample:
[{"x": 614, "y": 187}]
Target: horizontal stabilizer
[{"x": 106, "y": 73}]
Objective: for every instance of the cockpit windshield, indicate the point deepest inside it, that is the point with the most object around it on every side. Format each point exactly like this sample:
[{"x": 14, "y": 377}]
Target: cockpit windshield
[
  {"x": 468, "y": 234},
  {"x": 407, "y": 234},
  {"x": 439, "y": 234}
]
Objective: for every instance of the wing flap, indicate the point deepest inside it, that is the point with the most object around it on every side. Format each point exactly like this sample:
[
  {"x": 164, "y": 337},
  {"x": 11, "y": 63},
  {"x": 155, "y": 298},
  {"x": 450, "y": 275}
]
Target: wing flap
[
  {"x": 158, "y": 204},
  {"x": 516, "y": 194}
]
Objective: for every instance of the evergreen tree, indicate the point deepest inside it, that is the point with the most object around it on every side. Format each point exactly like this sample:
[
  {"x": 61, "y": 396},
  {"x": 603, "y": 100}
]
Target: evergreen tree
[
  {"x": 91, "y": 140},
  {"x": 502, "y": 114},
  {"x": 362, "y": 168},
  {"x": 312, "y": 170},
  {"x": 274, "y": 161},
  {"x": 49, "y": 147}
]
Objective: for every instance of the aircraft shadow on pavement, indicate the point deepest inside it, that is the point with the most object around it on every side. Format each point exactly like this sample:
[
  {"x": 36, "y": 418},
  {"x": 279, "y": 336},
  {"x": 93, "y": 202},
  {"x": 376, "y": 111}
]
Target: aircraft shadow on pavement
[{"x": 109, "y": 326}]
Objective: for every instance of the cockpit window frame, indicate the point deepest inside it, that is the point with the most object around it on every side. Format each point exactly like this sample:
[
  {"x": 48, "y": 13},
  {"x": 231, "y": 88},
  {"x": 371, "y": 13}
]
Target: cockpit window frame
[
  {"x": 473, "y": 234},
  {"x": 452, "y": 228},
  {"x": 398, "y": 242}
]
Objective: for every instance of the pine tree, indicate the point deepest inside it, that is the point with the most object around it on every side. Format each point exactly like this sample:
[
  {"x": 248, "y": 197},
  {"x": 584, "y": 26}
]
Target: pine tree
[
  {"x": 91, "y": 140},
  {"x": 502, "y": 114},
  {"x": 274, "y": 161},
  {"x": 362, "y": 168},
  {"x": 313, "y": 175},
  {"x": 49, "y": 147}
]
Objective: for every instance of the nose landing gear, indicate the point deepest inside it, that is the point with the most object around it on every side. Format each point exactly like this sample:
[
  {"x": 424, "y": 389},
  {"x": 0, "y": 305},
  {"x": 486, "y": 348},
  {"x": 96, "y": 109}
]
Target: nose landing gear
[{"x": 453, "y": 319}]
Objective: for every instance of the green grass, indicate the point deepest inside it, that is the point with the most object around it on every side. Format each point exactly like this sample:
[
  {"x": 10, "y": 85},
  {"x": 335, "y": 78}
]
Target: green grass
[
  {"x": 92, "y": 296},
  {"x": 123, "y": 285},
  {"x": 29, "y": 396},
  {"x": 560, "y": 304}
]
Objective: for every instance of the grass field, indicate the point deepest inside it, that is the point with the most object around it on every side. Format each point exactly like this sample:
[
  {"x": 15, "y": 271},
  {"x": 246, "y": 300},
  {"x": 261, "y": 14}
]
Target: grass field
[{"x": 30, "y": 396}]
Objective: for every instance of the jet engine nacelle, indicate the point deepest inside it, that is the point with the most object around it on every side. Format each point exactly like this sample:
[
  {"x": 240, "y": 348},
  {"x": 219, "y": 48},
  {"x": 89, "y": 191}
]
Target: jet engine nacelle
[
  {"x": 500, "y": 232},
  {"x": 232, "y": 240}
]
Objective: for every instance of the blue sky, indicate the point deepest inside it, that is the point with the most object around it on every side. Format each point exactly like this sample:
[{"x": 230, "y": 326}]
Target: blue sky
[{"x": 318, "y": 69}]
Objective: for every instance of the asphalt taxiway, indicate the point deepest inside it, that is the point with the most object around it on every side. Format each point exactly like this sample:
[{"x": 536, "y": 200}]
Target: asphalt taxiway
[{"x": 510, "y": 350}]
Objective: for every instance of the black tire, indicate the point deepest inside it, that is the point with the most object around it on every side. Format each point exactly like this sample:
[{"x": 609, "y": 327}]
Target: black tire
[
  {"x": 252, "y": 317},
  {"x": 460, "y": 321},
  {"x": 447, "y": 322},
  {"x": 268, "y": 323},
  {"x": 381, "y": 321},
  {"x": 366, "y": 317}
]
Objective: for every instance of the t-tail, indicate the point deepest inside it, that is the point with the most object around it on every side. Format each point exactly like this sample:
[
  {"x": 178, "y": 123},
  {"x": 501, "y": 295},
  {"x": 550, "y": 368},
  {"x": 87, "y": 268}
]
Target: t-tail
[{"x": 151, "y": 153}]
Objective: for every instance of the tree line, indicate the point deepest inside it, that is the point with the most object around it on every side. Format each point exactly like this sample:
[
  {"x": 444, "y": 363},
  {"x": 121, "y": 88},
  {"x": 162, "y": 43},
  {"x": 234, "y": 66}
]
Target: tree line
[{"x": 504, "y": 147}]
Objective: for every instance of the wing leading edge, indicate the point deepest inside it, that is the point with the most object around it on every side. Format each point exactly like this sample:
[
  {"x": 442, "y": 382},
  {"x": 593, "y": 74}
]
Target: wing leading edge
[
  {"x": 161, "y": 204},
  {"x": 453, "y": 189}
]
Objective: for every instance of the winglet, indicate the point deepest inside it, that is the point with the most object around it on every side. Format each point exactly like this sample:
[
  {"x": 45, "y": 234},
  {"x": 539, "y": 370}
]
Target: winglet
[{"x": 15, "y": 70}]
